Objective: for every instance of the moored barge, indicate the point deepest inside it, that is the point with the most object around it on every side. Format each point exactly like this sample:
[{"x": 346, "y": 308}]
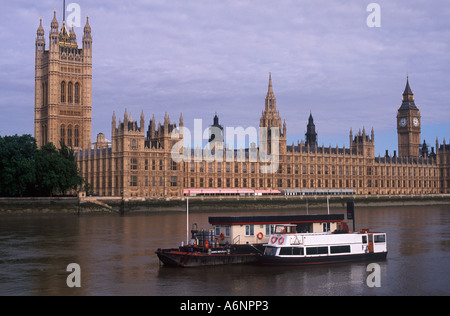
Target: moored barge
[{"x": 240, "y": 239}]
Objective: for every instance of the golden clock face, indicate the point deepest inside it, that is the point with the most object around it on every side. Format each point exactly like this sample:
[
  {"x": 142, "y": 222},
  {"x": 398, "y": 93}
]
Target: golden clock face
[
  {"x": 403, "y": 122},
  {"x": 416, "y": 122}
]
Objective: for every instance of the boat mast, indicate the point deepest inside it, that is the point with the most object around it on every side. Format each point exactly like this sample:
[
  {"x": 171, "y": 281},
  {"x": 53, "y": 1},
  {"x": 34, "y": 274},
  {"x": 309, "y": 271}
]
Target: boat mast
[
  {"x": 187, "y": 221},
  {"x": 351, "y": 212},
  {"x": 328, "y": 205}
]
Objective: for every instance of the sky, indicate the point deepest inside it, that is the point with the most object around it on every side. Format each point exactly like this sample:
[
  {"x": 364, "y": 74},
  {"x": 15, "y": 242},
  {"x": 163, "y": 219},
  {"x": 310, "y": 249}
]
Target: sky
[{"x": 202, "y": 57}]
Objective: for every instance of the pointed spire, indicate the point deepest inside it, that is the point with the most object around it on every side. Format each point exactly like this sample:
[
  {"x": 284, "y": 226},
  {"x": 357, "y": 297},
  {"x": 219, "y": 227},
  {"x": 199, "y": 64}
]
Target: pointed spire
[
  {"x": 408, "y": 90},
  {"x": 270, "y": 93},
  {"x": 271, "y": 103},
  {"x": 40, "y": 30},
  {"x": 73, "y": 36},
  {"x": 311, "y": 119},
  {"x": 54, "y": 25},
  {"x": 270, "y": 82},
  {"x": 408, "y": 98},
  {"x": 125, "y": 116},
  {"x": 87, "y": 27},
  {"x": 64, "y": 33},
  {"x": 181, "y": 120}
]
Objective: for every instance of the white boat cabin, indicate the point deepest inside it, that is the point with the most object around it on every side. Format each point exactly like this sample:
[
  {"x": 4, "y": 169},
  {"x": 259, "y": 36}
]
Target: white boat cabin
[
  {"x": 240, "y": 230},
  {"x": 285, "y": 241}
]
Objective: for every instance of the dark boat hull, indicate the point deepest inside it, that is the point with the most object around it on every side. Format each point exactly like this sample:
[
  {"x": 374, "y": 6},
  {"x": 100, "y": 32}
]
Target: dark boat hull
[
  {"x": 298, "y": 261},
  {"x": 185, "y": 258},
  {"x": 176, "y": 258}
]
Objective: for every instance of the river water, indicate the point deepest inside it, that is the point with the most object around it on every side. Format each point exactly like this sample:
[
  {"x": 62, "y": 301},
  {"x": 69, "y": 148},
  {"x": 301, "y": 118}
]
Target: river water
[{"x": 116, "y": 256}]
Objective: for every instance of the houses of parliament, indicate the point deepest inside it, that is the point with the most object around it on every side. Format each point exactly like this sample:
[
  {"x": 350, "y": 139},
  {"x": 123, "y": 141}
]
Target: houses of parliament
[{"x": 138, "y": 162}]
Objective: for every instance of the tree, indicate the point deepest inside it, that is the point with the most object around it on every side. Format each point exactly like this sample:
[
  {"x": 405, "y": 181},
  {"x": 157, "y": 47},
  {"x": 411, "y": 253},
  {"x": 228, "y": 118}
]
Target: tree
[
  {"x": 17, "y": 172},
  {"x": 56, "y": 171}
]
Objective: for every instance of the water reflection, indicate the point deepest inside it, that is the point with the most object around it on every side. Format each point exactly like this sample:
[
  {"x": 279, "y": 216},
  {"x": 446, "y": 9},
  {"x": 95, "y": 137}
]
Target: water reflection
[{"x": 116, "y": 255}]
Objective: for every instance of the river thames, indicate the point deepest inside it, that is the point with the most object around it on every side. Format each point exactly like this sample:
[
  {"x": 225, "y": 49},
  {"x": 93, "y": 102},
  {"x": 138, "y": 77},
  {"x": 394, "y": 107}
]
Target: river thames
[{"x": 116, "y": 255}]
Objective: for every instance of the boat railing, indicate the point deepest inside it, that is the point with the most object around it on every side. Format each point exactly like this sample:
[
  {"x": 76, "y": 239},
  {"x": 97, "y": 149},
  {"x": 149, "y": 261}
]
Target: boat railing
[{"x": 237, "y": 240}]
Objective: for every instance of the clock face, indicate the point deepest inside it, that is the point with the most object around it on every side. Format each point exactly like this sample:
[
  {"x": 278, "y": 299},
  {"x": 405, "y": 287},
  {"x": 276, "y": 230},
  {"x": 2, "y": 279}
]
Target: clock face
[
  {"x": 416, "y": 122},
  {"x": 403, "y": 122}
]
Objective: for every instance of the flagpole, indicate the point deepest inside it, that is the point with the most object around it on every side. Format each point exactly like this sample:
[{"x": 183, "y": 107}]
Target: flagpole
[
  {"x": 187, "y": 221},
  {"x": 328, "y": 205}
]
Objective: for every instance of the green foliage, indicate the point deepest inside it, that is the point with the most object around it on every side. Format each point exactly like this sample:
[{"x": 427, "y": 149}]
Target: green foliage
[
  {"x": 26, "y": 170},
  {"x": 56, "y": 171},
  {"x": 17, "y": 172}
]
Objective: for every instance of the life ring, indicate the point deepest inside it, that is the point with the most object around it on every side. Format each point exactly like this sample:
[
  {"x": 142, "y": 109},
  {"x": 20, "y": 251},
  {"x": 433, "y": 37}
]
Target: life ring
[
  {"x": 281, "y": 240},
  {"x": 260, "y": 235},
  {"x": 222, "y": 236},
  {"x": 273, "y": 240}
]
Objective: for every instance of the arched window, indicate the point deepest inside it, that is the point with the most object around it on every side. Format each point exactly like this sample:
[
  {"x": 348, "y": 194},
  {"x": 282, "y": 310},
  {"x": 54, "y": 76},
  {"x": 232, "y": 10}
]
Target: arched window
[
  {"x": 70, "y": 92},
  {"x": 62, "y": 135},
  {"x": 69, "y": 136},
  {"x": 76, "y": 139},
  {"x": 63, "y": 92},
  {"x": 77, "y": 93},
  {"x": 44, "y": 135},
  {"x": 45, "y": 93}
]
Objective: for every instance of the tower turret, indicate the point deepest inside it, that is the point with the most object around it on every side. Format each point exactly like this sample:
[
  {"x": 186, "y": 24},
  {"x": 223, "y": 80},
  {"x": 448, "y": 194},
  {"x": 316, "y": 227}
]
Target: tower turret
[
  {"x": 311, "y": 134},
  {"x": 87, "y": 39},
  {"x": 54, "y": 26},
  {"x": 271, "y": 119},
  {"x": 40, "y": 39},
  {"x": 408, "y": 125}
]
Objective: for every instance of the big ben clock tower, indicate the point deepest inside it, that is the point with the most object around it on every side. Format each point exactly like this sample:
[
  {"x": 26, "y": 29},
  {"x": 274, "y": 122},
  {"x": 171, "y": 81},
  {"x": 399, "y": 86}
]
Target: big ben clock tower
[{"x": 408, "y": 125}]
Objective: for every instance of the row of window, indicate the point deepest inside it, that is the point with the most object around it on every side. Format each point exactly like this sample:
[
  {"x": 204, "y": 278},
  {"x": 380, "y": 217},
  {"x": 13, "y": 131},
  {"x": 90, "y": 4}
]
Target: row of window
[
  {"x": 70, "y": 92},
  {"x": 134, "y": 181},
  {"x": 70, "y": 136},
  {"x": 289, "y": 169},
  {"x": 310, "y": 251},
  {"x": 134, "y": 165}
]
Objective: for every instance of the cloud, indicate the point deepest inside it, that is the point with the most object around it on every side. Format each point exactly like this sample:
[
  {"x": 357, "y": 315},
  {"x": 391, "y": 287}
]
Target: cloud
[{"x": 201, "y": 57}]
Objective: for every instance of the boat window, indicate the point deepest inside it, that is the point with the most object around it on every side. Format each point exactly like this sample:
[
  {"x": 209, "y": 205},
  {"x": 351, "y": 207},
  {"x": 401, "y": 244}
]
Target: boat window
[
  {"x": 290, "y": 229},
  {"x": 269, "y": 230},
  {"x": 249, "y": 230},
  {"x": 364, "y": 239},
  {"x": 286, "y": 251},
  {"x": 340, "y": 249},
  {"x": 227, "y": 231},
  {"x": 317, "y": 250},
  {"x": 379, "y": 238},
  {"x": 270, "y": 251},
  {"x": 291, "y": 251},
  {"x": 298, "y": 251},
  {"x": 217, "y": 230},
  {"x": 279, "y": 229}
]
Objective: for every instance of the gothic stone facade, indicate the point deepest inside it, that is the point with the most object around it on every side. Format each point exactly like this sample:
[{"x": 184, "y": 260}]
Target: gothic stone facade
[
  {"x": 137, "y": 163},
  {"x": 63, "y": 81}
]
